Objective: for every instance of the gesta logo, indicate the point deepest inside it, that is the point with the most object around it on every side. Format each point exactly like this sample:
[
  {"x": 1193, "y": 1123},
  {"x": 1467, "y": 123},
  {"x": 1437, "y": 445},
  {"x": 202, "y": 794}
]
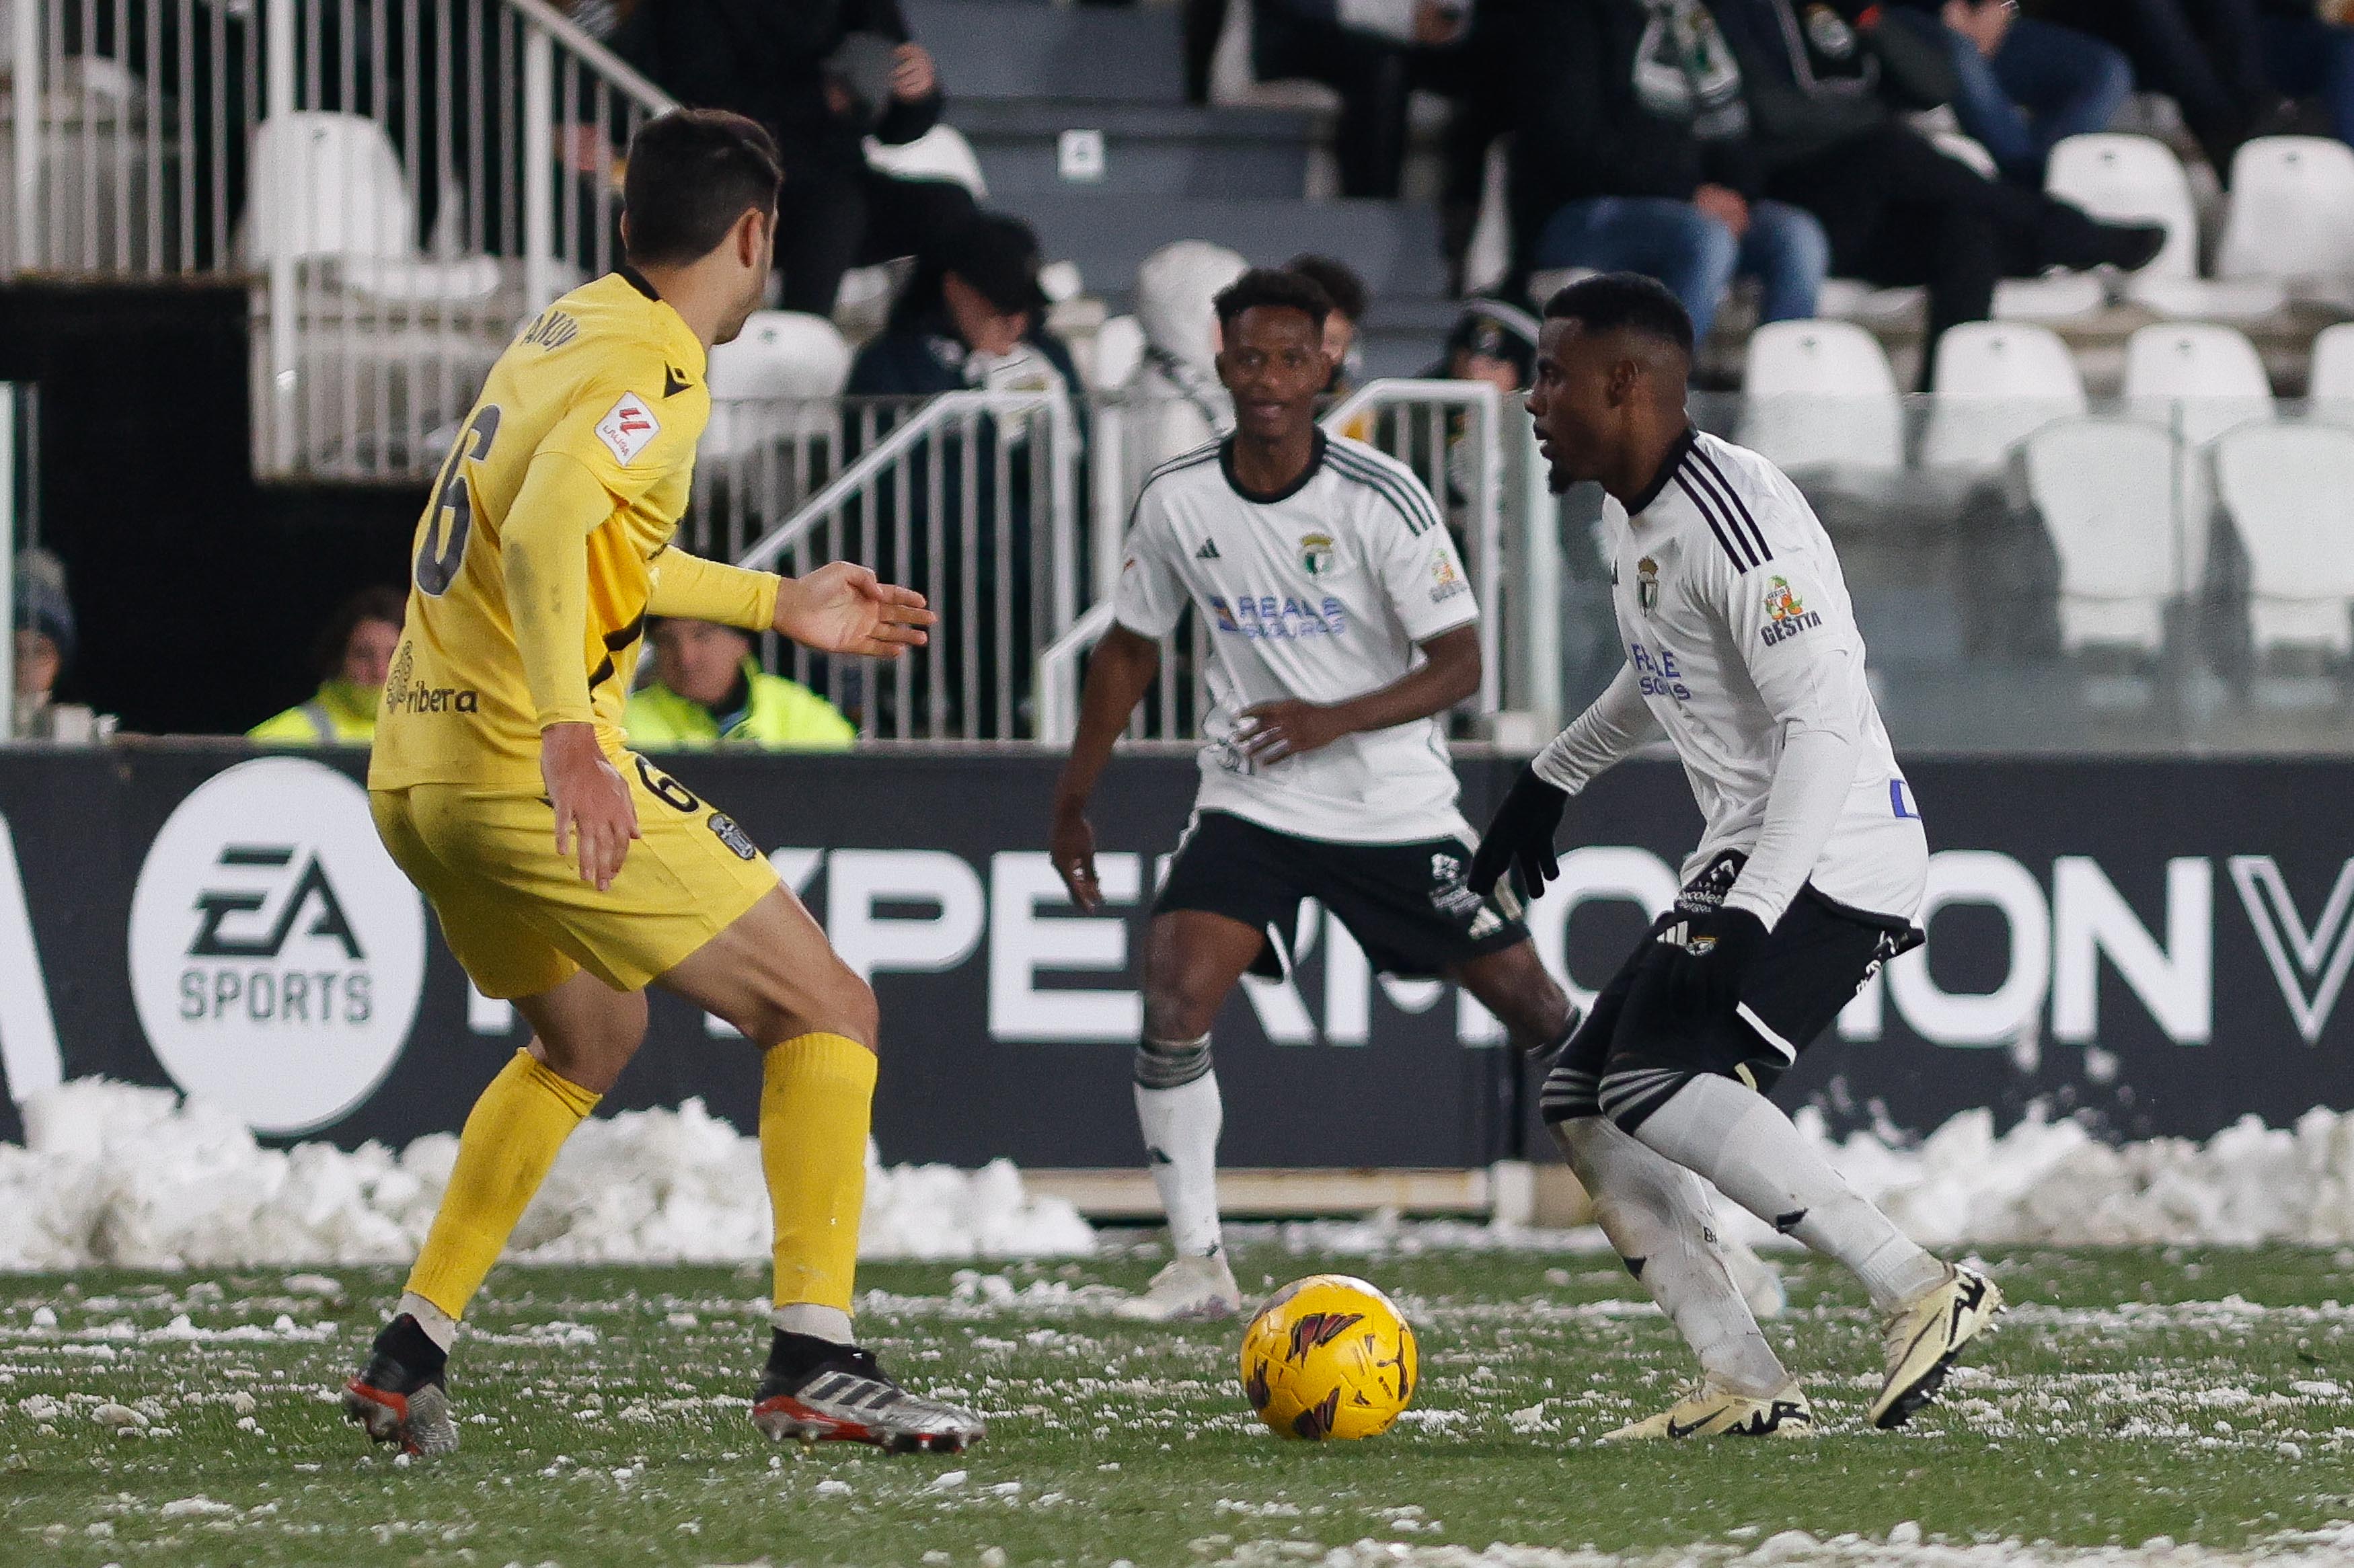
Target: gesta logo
[
  {"x": 1320, "y": 1329},
  {"x": 1785, "y": 615}
]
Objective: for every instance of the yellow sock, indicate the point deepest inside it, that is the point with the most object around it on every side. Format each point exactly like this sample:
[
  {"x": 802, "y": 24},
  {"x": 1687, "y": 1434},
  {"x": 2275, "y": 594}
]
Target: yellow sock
[
  {"x": 817, "y": 1093},
  {"x": 510, "y": 1140}
]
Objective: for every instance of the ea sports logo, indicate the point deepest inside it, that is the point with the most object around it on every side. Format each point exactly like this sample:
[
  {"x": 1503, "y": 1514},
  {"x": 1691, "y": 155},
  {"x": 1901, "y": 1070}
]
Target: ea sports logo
[{"x": 275, "y": 952}]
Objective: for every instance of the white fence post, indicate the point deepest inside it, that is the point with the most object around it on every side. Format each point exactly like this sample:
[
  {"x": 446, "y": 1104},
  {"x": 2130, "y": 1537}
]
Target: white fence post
[
  {"x": 539, "y": 258},
  {"x": 279, "y": 101},
  {"x": 25, "y": 172},
  {"x": 1539, "y": 579},
  {"x": 7, "y": 560}
]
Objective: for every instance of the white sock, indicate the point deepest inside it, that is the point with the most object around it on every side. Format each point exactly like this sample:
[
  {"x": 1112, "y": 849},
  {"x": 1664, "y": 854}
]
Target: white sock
[
  {"x": 1656, "y": 1214},
  {"x": 1181, "y": 1141},
  {"x": 439, "y": 1326},
  {"x": 1734, "y": 1137},
  {"x": 818, "y": 1322}
]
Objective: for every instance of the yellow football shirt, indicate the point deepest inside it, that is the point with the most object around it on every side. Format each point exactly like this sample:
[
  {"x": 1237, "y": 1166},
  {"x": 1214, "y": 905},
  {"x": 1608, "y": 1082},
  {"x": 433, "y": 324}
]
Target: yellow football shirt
[{"x": 610, "y": 377}]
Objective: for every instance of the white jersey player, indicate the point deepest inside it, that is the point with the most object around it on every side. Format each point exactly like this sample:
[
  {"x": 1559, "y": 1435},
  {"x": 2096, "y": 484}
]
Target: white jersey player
[
  {"x": 1341, "y": 629},
  {"x": 1742, "y": 647}
]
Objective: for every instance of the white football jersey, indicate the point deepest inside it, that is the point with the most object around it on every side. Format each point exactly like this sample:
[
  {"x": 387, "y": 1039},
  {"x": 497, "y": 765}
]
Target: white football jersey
[
  {"x": 1737, "y": 627},
  {"x": 1320, "y": 593}
]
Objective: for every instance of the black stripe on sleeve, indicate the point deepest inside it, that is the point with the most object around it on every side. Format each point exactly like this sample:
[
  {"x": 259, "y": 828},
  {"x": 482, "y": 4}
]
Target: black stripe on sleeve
[
  {"x": 1706, "y": 507},
  {"x": 1412, "y": 503},
  {"x": 1724, "y": 487}
]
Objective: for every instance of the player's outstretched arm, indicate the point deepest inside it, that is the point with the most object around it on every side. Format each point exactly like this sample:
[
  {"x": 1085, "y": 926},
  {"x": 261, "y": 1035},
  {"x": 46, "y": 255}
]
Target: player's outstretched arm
[
  {"x": 1448, "y": 673},
  {"x": 843, "y": 608},
  {"x": 1118, "y": 676},
  {"x": 1521, "y": 837}
]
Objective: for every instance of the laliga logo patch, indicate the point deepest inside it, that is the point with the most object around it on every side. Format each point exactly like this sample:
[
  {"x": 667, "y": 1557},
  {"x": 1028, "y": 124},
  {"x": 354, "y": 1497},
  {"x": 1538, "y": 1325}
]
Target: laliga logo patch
[
  {"x": 275, "y": 952},
  {"x": 629, "y": 429}
]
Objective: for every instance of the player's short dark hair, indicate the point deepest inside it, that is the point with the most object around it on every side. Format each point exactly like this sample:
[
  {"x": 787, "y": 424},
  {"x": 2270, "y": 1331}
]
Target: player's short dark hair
[
  {"x": 374, "y": 603},
  {"x": 1273, "y": 288},
  {"x": 692, "y": 174},
  {"x": 1612, "y": 301},
  {"x": 1338, "y": 279}
]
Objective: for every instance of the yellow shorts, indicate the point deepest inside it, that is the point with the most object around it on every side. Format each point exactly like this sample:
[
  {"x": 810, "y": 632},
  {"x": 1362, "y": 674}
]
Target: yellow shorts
[{"x": 518, "y": 915}]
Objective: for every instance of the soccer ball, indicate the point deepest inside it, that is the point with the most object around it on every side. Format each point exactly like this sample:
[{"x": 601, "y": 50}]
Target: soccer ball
[{"x": 1329, "y": 1356}]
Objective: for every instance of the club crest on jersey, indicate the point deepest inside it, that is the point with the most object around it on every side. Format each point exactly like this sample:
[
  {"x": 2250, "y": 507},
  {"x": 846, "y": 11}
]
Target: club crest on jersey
[
  {"x": 628, "y": 428},
  {"x": 1316, "y": 553},
  {"x": 1785, "y": 615},
  {"x": 1647, "y": 585}
]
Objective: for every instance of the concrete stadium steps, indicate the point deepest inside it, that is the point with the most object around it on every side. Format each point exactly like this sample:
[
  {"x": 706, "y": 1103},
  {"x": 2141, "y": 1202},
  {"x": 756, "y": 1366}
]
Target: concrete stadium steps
[
  {"x": 1009, "y": 49},
  {"x": 1146, "y": 149}
]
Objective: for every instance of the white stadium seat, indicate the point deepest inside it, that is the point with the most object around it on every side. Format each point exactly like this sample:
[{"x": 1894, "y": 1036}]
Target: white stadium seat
[
  {"x": 327, "y": 185},
  {"x": 763, "y": 383},
  {"x": 2197, "y": 379},
  {"x": 939, "y": 153},
  {"x": 2330, "y": 387},
  {"x": 2105, "y": 489},
  {"x": 2292, "y": 215},
  {"x": 2136, "y": 179},
  {"x": 2290, "y": 489},
  {"x": 1819, "y": 394},
  {"x": 1996, "y": 384}
]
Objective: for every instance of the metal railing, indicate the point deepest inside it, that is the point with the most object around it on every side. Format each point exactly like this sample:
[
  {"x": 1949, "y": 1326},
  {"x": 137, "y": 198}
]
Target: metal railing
[
  {"x": 1452, "y": 434},
  {"x": 403, "y": 180},
  {"x": 971, "y": 497}
]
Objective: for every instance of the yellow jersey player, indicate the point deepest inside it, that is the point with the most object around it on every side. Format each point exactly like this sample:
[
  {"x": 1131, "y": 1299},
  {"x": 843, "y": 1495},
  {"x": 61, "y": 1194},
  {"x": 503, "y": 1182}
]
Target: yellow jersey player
[{"x": 568, "y": 874}]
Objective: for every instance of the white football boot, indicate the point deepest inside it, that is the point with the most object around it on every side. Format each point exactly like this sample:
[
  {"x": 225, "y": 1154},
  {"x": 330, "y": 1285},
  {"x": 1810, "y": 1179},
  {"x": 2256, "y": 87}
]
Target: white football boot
[
  {"x": 1714, "y": 1411},
  {"x": 1190, "y": 1290},
  {"x": 1924, "y": 1339}
]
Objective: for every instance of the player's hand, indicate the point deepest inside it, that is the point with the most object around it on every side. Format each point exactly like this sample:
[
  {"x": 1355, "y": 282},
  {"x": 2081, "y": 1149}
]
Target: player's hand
[
  {"x": 1705, "y": 972},
  {"x": 591, "y": 800},
  {"x": 913, "y": 75},
  {"x": 1072, "y": 847},
  {"x": 1272, "y": 731},
  {"x": 844, "y": 608},
  {"x": 1520, "y": 839}
]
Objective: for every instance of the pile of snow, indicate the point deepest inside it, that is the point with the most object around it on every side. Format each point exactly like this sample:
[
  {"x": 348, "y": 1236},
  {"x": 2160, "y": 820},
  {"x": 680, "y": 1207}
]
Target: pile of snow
[
  {"x": 2053, "y": 1181},
  {"x": 112, "y": 1173},
  {"x": 1902, "y": 1548}
]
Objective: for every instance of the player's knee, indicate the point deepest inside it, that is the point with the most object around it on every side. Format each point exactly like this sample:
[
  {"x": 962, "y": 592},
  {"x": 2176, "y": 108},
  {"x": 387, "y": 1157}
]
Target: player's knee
[
  {"x": 1171, "y": 1012},
  {"x": 1164, "y": 1064},
  {"x": 843, "y": 1003}
]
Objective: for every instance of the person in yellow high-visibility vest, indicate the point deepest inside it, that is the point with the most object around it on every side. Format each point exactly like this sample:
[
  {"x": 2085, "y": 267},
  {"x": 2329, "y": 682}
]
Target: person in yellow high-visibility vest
[
  {"x": 708, "y": 691},
  {"x": 354, "y": 655}
]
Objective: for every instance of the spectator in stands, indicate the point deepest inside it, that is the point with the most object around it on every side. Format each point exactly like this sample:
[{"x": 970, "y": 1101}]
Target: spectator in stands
[
  {"x": 2309, "y": 54},
  {"x": 1349, "y": 299},
  {"x": 2206, "y": 55},
  {"x": 1491, "y": 341},
  {"x": 821, "y": 75},
  {"x": 972, "y": 315},
  {"x": 1375, "y": 54},
  {"x": 709, "y": 691},
  {"x": 354, "y": 653},
  {"x": 1632, "y": 153},
  {"x": 1184, "y": 404},
  {"x": 2023, "y": 85},
  {"x": 1823, "y": 98},
  {"x": 44, "y": 641}
]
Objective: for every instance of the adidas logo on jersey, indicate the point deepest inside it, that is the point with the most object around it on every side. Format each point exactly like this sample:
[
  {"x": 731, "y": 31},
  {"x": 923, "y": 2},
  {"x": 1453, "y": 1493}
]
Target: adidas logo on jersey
[{"x": 1208, "y": 551}]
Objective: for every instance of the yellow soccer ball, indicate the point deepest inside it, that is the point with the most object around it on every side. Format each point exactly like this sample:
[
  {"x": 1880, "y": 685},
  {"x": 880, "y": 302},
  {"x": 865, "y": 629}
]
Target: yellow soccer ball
[{"x": 1329, "y": 1356}]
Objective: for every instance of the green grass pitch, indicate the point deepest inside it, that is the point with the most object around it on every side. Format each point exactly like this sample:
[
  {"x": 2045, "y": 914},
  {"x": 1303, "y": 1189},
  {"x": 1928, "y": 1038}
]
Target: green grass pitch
[{"x": 2204, "y": 1395}]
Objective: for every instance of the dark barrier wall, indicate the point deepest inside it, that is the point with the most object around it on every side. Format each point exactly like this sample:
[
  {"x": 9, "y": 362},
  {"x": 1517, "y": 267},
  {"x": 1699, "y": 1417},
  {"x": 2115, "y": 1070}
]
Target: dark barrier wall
[{"x": 2159, "y": 945}]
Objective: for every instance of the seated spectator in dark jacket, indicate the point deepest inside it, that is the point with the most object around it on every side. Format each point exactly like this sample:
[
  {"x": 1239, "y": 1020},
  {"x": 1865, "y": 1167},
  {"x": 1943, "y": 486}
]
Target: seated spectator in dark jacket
[
  {"x": 2309, "y": 54},
  {"x": 1375, "y": 54},
  {"x": 1898, "y": 212},
  {"x": 821, "y": 75},
  {"x": 1631, "y": 154},
  {"x": 2206, "y": 55},
  {"x": 972, "y": 317},
  {"x": 2023, "y": 85}
]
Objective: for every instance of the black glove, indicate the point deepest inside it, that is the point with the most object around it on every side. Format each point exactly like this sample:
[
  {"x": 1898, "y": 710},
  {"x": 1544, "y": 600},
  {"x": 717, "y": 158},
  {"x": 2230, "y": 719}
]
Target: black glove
[
  {"x": 1521, "y": 837},
  {"x": 1706, "y": 971}
]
